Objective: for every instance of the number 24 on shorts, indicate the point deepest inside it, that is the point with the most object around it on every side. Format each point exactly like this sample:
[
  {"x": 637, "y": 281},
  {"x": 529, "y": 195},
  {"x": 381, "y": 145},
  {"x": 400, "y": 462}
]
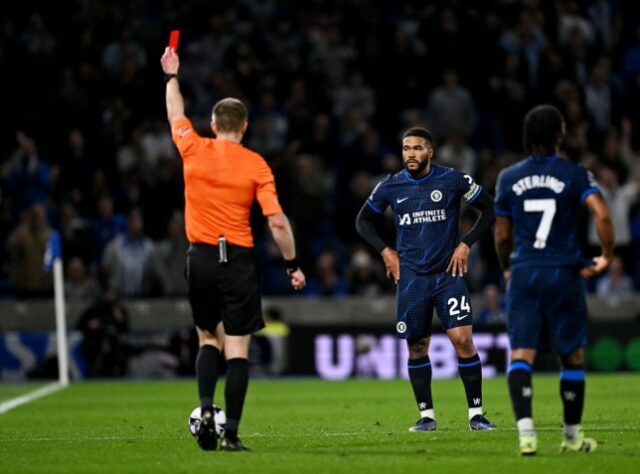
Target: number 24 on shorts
[{"x": 453, "y": 307}]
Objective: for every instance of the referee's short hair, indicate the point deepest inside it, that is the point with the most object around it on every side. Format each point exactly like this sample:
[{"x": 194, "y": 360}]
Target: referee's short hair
[
  {"x": 542, "y": 126},
  {"x": 419, "y": 132},
  {"x": 229, "y": 114}
]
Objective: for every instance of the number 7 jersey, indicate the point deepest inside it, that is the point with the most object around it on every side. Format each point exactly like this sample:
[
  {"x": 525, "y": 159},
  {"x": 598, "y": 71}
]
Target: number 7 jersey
[{"x": 542, "y": 197}]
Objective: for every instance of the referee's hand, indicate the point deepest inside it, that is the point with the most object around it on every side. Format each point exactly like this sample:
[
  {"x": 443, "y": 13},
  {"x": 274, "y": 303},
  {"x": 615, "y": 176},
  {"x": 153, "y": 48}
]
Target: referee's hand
[
  {"x": 298, "y": 280},
  {"x": 170, "y": 61},
  {"x": 458, "y": 263}
]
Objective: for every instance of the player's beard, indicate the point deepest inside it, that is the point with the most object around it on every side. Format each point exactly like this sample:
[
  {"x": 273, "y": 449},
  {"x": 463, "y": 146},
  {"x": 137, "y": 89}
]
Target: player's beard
[{"x": 422, "y": 165}]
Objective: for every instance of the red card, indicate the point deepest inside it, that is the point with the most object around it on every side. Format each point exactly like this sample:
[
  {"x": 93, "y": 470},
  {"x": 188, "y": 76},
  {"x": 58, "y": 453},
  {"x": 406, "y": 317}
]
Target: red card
[{"x": 173, "y": 39}]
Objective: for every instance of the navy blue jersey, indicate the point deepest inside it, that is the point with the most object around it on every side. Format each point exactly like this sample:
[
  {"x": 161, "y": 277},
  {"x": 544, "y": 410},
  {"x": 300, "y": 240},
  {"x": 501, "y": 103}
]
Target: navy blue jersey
[
  {"x": 542, "y": 197},
  {"x": 426, "y": 212}
]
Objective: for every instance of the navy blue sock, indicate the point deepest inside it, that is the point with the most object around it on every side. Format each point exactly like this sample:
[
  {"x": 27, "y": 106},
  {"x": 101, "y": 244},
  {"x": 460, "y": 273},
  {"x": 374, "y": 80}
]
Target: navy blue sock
[
  {"x": 207, "y": 362},
  {"x": 572, "y": 393},
  {"x": 470, "y": 370},
  {"x": 420, "y": 377},
  {"x": 520, "y": 388}
]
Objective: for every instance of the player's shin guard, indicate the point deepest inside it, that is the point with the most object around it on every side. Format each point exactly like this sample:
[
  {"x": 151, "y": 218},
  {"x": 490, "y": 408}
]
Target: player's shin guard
[
  {"x": 207, "y": 374},
  {"x": 572, "y": 394},
  {"x": 234, "y": 393},
  {"x": 519, "y": 378},
  {"x": 420, "y": 377},
  {"x": 470, "y": 370}
]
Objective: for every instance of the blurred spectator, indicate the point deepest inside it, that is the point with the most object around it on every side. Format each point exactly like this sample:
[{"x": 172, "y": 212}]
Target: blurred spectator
[
  {"x": 157, "y": 144},
  {"x": 102, "y": 325},
  {"x": 129, "y": 262},
  {"x": 269, "y": 127},
  {"x": 132, "y": 157},
  {"x": 271, "y": 348},
  {"x": 493, "y": 308},
  {"x": 527, "y": 41},
  {"x": 615, "y": 282},
  {"x": 355, "y": 94},
  {"x": 620, "y": 200},
  {"x": 455, "y": 153},
  {"x": 366, "y": 277},
  {"x": 78, "y": 284},
  {"x": 170, "y": 253},
  {"x": 74, "y": 231},
  {"x": 76, "y": 165},
  {"x": 601, "y": 96},
  {"x": 26, "y": 246},
  {"x": 451, "y": 109},
  {"x": 27, "y": 176},
  {"x": 606, "y": 21},
  {"x": 118, "y": 52},
  {"x": 327, "y": 280},
  {"x": 36, "y": 39},
  {"x": 107, "y": 225}
]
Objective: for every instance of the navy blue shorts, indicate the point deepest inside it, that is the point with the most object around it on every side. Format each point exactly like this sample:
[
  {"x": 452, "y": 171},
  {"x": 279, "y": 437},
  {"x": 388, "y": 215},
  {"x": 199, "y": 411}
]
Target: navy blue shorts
[
  {"x": 416, "y": 297},
  {"x": 547, "y": 306}
]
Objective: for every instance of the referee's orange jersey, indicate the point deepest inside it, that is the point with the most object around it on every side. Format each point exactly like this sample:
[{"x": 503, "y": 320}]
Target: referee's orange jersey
[{"x": 221, "y": 180}]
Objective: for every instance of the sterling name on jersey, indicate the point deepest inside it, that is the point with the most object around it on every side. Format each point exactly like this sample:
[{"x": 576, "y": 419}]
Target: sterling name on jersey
[
  {"x": 542, "y": 197},
  {"x": 426, "y": 212}
]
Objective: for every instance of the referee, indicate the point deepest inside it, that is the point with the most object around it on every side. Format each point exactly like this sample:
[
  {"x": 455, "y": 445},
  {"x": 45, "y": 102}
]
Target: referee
[{"x": 222, "y": 179}]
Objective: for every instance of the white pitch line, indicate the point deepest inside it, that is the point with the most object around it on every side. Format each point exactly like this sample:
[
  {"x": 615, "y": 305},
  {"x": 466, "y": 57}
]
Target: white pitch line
[{"x": 31, "y": 396}]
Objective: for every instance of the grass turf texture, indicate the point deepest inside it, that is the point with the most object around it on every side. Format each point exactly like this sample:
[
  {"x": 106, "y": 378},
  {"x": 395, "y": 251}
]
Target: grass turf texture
[
  {"x": 9, "y": 391},
  {"x": 306, "y": 426}
]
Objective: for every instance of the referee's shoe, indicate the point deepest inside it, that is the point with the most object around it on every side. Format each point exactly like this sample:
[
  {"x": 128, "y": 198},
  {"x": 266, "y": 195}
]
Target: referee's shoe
[
  {"x": 228, "y": 444},
  {"x": 207, "y": 436}
]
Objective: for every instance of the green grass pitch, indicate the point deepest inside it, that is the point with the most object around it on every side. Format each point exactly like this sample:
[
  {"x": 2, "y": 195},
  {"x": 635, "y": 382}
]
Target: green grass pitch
[{"x": 309, "y": 426}]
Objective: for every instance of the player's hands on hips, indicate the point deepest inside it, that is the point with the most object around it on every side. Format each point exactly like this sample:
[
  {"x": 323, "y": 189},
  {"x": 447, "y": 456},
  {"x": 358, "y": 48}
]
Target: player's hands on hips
[
  {"x": 458, "y": 263},
  {"x": 298, "y": 280},
  {"x": 600, "y": 264},
  {"x": 170, "y": 61},
  {"x": 392, "y": 262}
]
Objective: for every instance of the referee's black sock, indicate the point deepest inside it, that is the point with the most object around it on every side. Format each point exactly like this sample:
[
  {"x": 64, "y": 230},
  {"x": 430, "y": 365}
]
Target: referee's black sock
[
  {"x": 519, "y": 379},
  {"x": 470, "y": 370},
  {"x": 234, "y": 394},
  {"x": 572, "y": 393},
  {"x": 420, "y": 377},
  {"x": 207, "y": 363}
]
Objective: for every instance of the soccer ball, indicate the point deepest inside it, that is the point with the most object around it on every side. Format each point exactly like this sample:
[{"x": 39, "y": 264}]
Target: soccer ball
[{"x": 219, "y": 420}]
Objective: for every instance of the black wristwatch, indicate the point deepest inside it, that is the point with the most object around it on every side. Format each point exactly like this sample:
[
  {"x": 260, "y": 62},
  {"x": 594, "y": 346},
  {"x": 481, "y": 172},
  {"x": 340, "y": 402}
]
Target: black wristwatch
[
  {"x": 292, "y": 265},
  {"x": 168, "y": 77}
]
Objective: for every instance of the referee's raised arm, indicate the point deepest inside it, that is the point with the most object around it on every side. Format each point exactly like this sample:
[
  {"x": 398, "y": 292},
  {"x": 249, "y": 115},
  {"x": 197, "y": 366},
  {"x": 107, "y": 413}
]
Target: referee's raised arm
[{"x": 170, "y": 65}]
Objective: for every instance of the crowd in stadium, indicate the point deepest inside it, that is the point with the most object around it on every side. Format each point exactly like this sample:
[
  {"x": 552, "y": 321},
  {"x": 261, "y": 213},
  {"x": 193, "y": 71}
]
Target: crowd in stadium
[{"x": 86, "y": 147}]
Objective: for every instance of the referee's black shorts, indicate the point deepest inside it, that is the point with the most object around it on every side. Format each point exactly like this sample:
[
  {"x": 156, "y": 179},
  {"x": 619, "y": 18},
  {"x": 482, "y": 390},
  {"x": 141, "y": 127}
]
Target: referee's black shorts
[{"x": 228, "y": 292}]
